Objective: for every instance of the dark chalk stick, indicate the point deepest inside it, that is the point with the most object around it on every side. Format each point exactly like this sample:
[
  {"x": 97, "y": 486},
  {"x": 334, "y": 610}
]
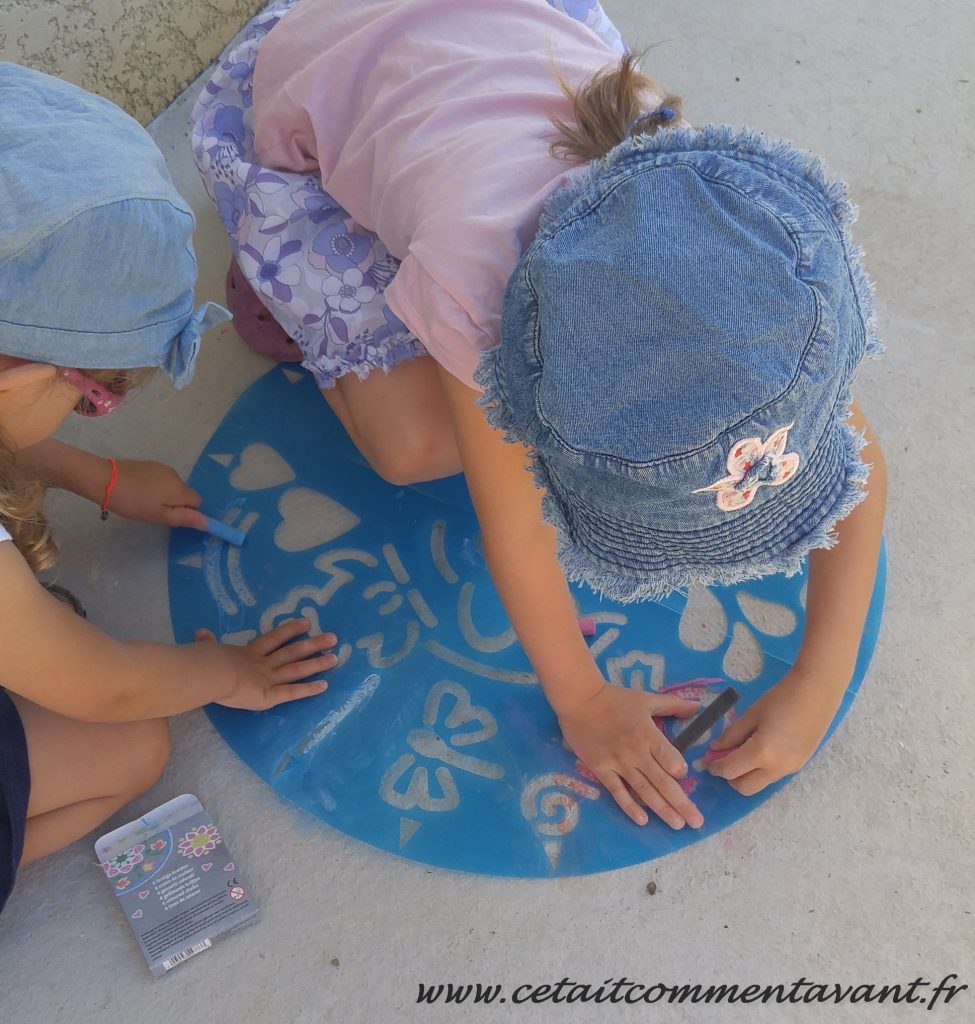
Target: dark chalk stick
[{"x": 703, "y": 721}]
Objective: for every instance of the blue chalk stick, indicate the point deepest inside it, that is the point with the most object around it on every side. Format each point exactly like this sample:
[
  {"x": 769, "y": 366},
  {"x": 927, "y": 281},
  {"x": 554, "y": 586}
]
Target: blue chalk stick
[{"x": 225, "y": 532}]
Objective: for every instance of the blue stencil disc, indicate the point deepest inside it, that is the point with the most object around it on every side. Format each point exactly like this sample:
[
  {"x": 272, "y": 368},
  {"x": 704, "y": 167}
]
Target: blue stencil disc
[{"x": 434, "y": 740}]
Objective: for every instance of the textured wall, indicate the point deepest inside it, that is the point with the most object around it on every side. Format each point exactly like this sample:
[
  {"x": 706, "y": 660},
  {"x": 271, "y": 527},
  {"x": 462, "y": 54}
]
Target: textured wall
[{"x": 139, "y": 53}]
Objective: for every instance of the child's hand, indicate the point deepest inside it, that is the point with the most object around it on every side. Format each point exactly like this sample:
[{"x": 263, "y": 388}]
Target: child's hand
[
  {"x": 778, "y": 734},
  {"x": 614, "y": 735},
  {"x": 270, "y": 669},
  {"x": 154, "y": 492}
]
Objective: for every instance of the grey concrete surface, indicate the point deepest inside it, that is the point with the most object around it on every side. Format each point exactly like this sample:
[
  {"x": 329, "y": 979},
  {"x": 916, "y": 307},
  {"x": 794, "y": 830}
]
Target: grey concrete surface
[{"x": 860, "y": 871}]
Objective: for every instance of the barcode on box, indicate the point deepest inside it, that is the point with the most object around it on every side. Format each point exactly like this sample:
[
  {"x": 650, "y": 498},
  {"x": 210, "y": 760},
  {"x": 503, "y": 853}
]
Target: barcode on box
[{"x": 178, "y": 958}]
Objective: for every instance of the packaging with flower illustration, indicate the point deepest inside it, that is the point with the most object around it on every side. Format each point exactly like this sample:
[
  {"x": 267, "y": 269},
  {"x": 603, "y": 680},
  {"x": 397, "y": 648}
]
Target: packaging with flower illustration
[{"x": 175, "y": 881}]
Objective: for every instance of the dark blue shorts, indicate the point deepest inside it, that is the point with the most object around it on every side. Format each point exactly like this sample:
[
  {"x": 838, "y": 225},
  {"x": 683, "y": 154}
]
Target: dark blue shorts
[{"x": 14, "y": 793}]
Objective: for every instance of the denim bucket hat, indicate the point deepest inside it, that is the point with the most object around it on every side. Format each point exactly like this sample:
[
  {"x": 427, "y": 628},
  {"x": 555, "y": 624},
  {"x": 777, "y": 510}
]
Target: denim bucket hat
[
  {"x": 677, "y": 349},
  {"x": 96, "y": 255}
]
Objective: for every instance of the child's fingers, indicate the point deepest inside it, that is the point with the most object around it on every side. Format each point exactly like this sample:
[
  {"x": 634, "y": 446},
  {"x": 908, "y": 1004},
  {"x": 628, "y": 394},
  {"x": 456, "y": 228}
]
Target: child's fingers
[
  {"x": 303, "y": 669},
  {"x": 622, "y": 795},
  {"x": 302, "y": 649},
  {"x": 736, "y": 764},
  {"x": 190, "y": 497},
  {"x": 716, "y": 755},
  {"x": 184, "y": 516},
  {"x": 296, "y": 691},
  {"x": 664, "y": 754},
  {"x": 274, "y": 638},
  {"x": 202, "y": 636},
  {"x": 669, "y": 789},
  {"x": 678, "y": 707},
  {"x": 650, "y": 796},
  {"x": 754, "y": 781},
  {"x": 736, "y": 733}
]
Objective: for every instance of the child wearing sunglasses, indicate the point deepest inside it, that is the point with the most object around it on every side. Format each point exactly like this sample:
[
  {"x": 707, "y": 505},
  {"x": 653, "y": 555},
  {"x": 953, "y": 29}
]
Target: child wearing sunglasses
[{"x": 96, "y": 271}]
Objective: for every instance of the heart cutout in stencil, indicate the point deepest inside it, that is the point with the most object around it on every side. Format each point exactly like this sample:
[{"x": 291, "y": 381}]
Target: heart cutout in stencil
[
  {"x": 260, "y": 468},
  {"x": 207, "y": 866},
  {"x": 143, "y": 894},
  {"x": 309, "y": 519},
  {"x": 229, "y": 866},
  {"x": 136, "y": 914}
]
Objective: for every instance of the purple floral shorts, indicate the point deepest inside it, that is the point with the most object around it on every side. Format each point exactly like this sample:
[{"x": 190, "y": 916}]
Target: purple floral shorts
[{"x": 320, "y": 274}]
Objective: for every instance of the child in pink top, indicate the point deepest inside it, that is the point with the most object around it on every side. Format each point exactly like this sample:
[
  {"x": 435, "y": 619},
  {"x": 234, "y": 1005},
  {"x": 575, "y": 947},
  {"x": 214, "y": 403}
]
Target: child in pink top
[{"x": 381, "y": 168}]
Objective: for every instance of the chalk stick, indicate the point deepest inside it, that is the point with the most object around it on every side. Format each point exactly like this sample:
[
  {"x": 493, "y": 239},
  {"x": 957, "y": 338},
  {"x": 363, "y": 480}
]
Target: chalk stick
[
  {"x": 703, "y": 720},
  {"x": 587, "y": 627},
  {"x": 716, "y": 755},
  {"x": 224, "y": 532}
]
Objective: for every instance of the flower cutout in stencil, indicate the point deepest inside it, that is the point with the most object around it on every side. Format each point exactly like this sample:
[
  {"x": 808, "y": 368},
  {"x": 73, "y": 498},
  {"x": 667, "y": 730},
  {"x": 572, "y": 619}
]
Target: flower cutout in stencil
[
  {"x": 200, "y": 841},
  {"x": 704, "y": 627},
  {"x": 753, "y": 463}
]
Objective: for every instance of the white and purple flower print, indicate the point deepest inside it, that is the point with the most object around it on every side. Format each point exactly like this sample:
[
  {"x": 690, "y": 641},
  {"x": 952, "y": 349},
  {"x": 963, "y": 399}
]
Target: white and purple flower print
[
  {"x": 320, "y": 274},
  {"x": 348, "y": 293},
  {"x": 274, "y": 270}
]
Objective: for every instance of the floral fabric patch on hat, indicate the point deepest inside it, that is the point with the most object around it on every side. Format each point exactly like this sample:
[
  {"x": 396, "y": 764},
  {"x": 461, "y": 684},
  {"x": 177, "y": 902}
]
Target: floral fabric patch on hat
[{"x": 753, "y": 463}]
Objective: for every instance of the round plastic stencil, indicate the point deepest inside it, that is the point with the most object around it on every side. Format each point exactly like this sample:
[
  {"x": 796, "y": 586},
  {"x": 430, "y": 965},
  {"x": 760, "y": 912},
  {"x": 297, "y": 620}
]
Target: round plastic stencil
[{"x": 434, "y": 740}]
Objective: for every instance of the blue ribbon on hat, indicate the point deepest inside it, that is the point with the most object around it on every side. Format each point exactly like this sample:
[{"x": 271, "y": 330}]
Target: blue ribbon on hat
[{"x": 180, "y": 361}]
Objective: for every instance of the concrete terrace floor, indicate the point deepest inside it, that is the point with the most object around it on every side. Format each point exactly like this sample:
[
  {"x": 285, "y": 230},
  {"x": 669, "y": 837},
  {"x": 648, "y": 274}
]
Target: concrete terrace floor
[{"x": 861, "y": 870}]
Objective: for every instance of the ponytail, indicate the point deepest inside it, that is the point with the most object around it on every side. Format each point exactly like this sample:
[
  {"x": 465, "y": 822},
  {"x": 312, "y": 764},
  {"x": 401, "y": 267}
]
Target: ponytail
[{"x": 605, "y": 107}]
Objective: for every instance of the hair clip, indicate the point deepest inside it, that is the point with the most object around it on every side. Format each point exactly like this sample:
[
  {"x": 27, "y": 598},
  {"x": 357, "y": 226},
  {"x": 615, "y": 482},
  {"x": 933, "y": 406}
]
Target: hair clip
[{"x": 661, "y": 115}]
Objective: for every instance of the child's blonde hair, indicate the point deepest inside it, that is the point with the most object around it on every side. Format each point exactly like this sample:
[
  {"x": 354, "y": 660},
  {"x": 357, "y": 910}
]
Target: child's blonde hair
[
  {"x": 22, "y": 497},
  {"x": 604, "y": 106},
  {"x": 21, "y": 513}
]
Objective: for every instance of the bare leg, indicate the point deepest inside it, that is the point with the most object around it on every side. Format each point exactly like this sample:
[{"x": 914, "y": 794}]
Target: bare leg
[
  {"x": 83, "y": 772},
  {"x": 399, "y": 421}
]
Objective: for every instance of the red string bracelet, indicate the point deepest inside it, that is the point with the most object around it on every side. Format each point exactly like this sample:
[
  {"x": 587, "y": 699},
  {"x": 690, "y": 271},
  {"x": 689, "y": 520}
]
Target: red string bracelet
[{"x": 111, "y": 487}]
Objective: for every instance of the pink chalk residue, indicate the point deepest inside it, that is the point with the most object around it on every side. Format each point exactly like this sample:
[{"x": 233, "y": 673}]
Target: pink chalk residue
[
  {"x": 575, "y": 785},
  {"x": 586, "y": 772},
  {"x": 716, "y": 755},
  {"x": 691, "y": 689}
]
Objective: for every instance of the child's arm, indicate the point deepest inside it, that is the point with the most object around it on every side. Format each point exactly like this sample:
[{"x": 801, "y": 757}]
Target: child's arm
[
  {"x": 58, "y": 660},
  {"x": 782, "y": 730},
  {"x": 150, "y": 491},
  {"x": 609, "y": 727}
]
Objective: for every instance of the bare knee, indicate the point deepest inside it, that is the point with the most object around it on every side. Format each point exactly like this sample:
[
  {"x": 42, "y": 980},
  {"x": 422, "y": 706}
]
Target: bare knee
[
  {"x": 415, "y": 457},
  {"x": 149, "y": 753}
]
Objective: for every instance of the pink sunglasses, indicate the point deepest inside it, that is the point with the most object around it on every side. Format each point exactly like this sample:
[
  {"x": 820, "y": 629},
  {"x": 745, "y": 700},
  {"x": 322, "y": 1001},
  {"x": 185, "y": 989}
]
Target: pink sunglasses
[{"x": 102, "y": 400}]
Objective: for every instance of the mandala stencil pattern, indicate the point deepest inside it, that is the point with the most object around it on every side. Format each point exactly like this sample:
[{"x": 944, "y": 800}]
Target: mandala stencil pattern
[{"x": 434, "y": 740}]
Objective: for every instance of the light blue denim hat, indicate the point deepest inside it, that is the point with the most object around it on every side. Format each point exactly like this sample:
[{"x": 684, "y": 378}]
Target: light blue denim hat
[
  {"x": 677, "y": 349},
  {"x": 96, "y": 256}
]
